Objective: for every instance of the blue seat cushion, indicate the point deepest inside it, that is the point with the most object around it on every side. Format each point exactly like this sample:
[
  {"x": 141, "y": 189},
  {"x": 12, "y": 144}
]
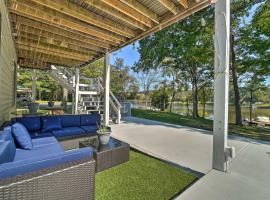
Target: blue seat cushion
[
  {"x": 37, "y": 142},
  {"x": 40, "y": 149},
  {"x": 71, "y": 120},
  {"x": 50, "y": 123},
  {"x": 7, "y": 151},
  {"x": 21, "y": 136},
  {"x": 69, "y": 131},
  {"x": 92, "y": 119},
  {"x": 32, "y": 164},
  {"x": 90, "y": 129},
  {"x": 40, "y": 134},
  {"x": 31, "y": 123}
]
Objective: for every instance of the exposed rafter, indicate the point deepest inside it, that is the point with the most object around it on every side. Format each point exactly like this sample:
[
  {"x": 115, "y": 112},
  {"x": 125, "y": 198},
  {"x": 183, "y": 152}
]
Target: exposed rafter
[
  {"x": 118, "y": 5},
  {"x": 115, "y": 13},
  {"x": 28, "y": 63},
  {"x": 184, "y": 3},
  {"x": 77, "y": 32},
  {"x": 72, "y": 10},
  {"x": 134, "y": 4},
  {"x": 56, "y": 19},
  {"x": 45, "y": 30},
  {"x": 52, "y": 59},
  {"x": 169, "y": 5},
  {"x": 49, "y": 51}
]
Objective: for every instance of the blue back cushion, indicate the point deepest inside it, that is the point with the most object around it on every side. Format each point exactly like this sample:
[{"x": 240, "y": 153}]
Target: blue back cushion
[
  {"x": 7, "y": 151},
  {"x": 6, "y": 134},
  {"x": 71, "y": 120},
  {"x": 50, "y": 123},
  {"x": 22, "y": 136},
  {"x": 92, "y": 119},
  {"x": 30, "y": 123}
]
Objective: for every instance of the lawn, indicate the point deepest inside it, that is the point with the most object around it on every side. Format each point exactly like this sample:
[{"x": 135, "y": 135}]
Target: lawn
[
  {"x": 253, "y": 132},
  {"x": 143, "y": 177}
]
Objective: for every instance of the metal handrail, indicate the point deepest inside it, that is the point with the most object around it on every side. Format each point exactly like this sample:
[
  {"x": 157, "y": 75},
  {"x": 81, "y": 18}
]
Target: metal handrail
[{"x": 114, "y": 98}]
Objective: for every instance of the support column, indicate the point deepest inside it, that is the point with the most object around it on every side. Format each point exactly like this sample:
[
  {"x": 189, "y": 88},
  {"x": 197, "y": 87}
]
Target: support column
[
  {"x": 77, "y": 88},
  {"x": 106, "y": 82},
  {"x": 221, "y": 83},
  {"x": 34, "y": 85}
]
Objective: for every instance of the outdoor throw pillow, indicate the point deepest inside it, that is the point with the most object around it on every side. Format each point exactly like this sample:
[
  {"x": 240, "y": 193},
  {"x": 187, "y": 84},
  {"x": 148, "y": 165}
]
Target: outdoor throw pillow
[
  {"x": 51, "y": 123},
  {"x": 22, "y": 136},
  {"x": 7, "y": 151}
]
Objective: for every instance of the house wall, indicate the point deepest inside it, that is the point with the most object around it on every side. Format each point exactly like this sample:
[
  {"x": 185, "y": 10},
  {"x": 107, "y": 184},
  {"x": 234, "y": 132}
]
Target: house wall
[{"x": 7, "y": 67}]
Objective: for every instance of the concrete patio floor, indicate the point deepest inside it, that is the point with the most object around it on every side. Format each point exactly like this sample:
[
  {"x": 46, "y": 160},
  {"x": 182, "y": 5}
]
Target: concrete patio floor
[{"x": 249, "y": 176}]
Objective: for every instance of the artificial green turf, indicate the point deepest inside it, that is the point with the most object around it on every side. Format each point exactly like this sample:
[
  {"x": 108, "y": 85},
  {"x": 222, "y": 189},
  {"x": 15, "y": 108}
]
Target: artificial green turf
[
  {"x": 253, "y": 132},
  {"x": 143, "y": 177}
]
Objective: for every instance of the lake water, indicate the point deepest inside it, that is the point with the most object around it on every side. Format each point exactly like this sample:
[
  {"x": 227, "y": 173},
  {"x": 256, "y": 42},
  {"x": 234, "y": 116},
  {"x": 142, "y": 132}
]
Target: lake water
[
  {"x": 256, "y": 111},
  {"x": 180, "y": 108}
]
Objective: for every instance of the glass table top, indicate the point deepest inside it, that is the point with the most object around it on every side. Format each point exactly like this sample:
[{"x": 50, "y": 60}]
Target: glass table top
[{"x": 98, "y": 147}]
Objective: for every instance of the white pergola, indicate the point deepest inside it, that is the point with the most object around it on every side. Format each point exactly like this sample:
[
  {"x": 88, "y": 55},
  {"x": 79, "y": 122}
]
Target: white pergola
[{"x": 76, "y": 32}]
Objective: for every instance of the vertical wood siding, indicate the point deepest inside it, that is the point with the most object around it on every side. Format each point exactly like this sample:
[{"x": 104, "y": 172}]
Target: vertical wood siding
[{"x": 7, "y": 58}]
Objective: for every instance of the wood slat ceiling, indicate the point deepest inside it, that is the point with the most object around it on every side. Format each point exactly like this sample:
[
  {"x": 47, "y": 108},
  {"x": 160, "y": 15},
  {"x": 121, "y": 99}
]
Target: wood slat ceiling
[{"x": 73, "y": 33}]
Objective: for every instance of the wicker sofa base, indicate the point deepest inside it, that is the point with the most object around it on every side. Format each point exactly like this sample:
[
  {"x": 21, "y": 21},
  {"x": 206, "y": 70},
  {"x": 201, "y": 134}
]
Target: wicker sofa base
[
  {"x": 74, "y": 180},
  {"x": 73, "y": 142}
]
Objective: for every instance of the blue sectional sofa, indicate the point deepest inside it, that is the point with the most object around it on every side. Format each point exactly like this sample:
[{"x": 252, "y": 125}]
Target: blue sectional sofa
[
  {"x": 60, "y": 126},
  {"x": 35, "y": 165}
]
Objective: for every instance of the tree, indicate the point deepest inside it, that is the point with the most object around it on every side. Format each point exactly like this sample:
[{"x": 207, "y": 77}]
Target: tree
[
  {"x": 187, "y": 44},
  {"x": 160, "y": 97},
  {"x": 240, "y": 11},
  {"x": 147, "y": 79}
]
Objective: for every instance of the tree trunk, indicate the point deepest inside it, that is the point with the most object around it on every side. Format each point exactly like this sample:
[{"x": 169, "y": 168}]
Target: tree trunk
[
  {"x": 145, "y": 101},
  {"x": 237, "y": 99},
  {"x": 195, "y": 92},
  {"x": 187, "y": 105},
  {"x": 204, "y": 102}
]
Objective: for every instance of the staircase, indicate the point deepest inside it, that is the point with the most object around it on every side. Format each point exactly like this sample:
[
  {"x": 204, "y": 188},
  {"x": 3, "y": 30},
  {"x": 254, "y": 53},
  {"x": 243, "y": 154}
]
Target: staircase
[{"x": 90, "y": 93}]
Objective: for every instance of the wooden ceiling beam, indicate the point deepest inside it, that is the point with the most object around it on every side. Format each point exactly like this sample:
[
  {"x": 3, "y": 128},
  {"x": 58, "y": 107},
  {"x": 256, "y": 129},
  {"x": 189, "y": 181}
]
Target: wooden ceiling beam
[
  {"x": 80, "y": 13},
  {"x": 51, "y": 45},
  {"x": 118, "y": 5},
  {"x": 134, "y": 4},
  {"x": 55, "y": 19},
  {"x": 49, "y": 51},
  {"x": 54, "y": 41},
  {"x": 184, "y": 3},
  {"x": 169, "y": 5},
  {"x": 33, "y": 64},
  {"x": 47, "y": 58},
  {"x": 38, "y": 28},
  {"x": 115, "y": 13}
]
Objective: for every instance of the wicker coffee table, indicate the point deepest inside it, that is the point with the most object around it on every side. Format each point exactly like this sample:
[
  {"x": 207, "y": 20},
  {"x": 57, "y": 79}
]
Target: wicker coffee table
[{"x": 107, "y": 156}]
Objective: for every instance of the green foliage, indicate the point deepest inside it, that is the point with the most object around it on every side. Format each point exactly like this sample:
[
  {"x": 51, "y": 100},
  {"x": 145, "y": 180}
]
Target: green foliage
[
  {"x": 47, "y": 88},
  {"x": 160, "y": 98}
]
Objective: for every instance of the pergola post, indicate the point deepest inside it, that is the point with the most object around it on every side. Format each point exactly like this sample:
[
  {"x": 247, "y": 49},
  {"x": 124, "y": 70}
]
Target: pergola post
[
  {"x": 221, "y": 83},
  {"x": 106, "y": 86},
  {"x": 34, "y": 85},
  {"x": 77, "y": 88}
]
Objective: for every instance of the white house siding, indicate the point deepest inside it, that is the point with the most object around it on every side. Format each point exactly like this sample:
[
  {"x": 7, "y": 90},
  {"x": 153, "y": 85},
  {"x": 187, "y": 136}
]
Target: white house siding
[{"x": 7, "y": 59}]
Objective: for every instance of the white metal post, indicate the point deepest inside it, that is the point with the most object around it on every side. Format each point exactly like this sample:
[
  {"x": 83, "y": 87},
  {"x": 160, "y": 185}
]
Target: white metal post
[
  {"x": 77, "y": 88},
  {"x": 106, "y": 82},
  {"x": 221, "y": 83},
  {"x": 34, "y": 85}
]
